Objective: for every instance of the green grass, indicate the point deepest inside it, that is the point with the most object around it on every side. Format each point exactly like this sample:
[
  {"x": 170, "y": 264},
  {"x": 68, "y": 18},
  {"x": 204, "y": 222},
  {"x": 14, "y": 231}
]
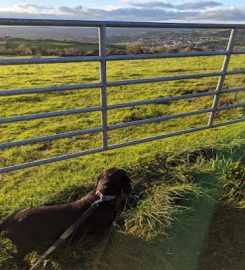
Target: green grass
[
  {"x": 17, "y": 43},
  {"x": 164, "y": 172},
  {"x": 49, "y": 44}
]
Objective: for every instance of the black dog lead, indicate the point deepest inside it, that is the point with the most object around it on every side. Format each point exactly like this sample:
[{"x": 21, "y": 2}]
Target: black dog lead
[{"x": 73, "y": 227}]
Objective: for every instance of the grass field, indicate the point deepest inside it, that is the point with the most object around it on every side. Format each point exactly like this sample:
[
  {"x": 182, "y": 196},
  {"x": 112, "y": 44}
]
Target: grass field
[
  {"x": 18, "y": 43},
  {"x": 162, "y": 171}
]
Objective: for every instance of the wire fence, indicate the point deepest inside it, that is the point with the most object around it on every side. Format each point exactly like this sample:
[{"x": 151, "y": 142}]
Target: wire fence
[{"x": 103, "y": 58}]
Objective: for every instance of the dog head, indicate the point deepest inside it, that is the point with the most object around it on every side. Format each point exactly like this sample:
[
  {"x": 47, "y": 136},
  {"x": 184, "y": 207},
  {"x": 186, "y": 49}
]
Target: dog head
[{"x": 113, "y": 182}]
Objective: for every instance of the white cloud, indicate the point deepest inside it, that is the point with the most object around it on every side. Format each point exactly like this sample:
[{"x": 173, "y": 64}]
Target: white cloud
[
  {"x": 28, "y": 9},
  {"x": 110, "y": 7},
  {"x": 153, "y": 13},
  {"x": 190, "y": 5}
]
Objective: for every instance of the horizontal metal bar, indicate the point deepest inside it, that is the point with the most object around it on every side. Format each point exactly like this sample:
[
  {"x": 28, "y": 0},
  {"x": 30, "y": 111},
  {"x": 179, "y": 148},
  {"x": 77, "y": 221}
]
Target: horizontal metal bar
[
  {"x": 112, "y": 147},
  {"x": 156, "y": 119},
  {"x": 237, "y": 52},
  {"x": 163, "y": 79},
  {"x": 232, "y": 72},
  {"x": 177, "y": 133},
  {"x": 172, "y": 116},
  {"x": 173, "y": 98},
  {"x": 232, "y": 90},
  {"x": 5, "y": 93},
  {"x": 49, "y": 60},
  {"x": 80, "y": 23},
  {"x": 114, "y": 106},
  {"x": 49, "y": 138},
  {"x": 49, "y": 160},
  {"x": 74, "y": 59},
  {"x": 231, "y": 106},
  {"x": 112, "y": 127},
  {"x": 174, "y": 78},
  {"x": 235, "y": 121},
  {"x": 160, "y": 100},
  {"x": 168, "y": 55},
  {"x": 48, "y": 114}
]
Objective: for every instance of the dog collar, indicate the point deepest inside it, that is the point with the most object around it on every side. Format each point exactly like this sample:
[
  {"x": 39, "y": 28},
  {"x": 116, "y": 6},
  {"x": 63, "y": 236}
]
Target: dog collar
[{"x": 102, "y": 198}]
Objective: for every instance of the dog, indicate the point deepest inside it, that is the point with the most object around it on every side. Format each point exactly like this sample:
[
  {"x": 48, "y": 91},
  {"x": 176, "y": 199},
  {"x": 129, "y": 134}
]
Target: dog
[{"x": 31, "y": 227}]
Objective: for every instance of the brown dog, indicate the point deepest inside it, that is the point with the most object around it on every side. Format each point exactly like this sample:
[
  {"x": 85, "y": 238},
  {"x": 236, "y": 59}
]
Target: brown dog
[{"x": 28, "y": 228}]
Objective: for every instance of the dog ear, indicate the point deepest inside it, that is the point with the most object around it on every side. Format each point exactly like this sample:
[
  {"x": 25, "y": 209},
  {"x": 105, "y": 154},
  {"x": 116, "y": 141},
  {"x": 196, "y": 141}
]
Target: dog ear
[{"x": 127, "y": 188}]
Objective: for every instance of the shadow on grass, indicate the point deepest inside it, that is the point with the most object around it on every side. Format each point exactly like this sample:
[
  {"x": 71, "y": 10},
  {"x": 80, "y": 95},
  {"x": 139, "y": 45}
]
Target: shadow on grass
[
  {"x": 225, "y": 242},
  {"x": 179, "y": 250},
  {"x": 185, "y": 243}
]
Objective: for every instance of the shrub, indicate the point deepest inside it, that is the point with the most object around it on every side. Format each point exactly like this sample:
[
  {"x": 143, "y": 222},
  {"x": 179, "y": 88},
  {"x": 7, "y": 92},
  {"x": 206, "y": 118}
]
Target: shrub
[{"x": 135, "y": 48}]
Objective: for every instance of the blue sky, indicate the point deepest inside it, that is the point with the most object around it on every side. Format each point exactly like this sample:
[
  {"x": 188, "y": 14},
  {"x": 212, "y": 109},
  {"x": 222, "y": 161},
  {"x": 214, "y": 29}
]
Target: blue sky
[
  {"x": 95, "y": 3},
  {"x": 134, "y": 10}
]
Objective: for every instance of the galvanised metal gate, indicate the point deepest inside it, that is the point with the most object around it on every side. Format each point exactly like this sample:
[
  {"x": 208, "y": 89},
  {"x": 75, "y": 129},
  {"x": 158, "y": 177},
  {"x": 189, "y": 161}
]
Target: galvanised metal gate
[{"x": 103, "y": 84}]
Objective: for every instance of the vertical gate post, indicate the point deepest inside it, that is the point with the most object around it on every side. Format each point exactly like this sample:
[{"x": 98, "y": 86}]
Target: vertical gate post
[
  {"x": 221, "y": 80},
  {"x": 103, "y": 79}
]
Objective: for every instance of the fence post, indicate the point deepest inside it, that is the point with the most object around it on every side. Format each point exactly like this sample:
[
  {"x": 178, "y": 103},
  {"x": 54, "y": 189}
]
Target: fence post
[
  {"x": 221, "y": 80},
  {"x": 103, "y": 79}
]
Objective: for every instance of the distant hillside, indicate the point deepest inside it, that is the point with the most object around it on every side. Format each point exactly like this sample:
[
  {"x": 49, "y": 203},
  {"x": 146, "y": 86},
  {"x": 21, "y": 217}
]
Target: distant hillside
[{"x": 73, "y": 33}]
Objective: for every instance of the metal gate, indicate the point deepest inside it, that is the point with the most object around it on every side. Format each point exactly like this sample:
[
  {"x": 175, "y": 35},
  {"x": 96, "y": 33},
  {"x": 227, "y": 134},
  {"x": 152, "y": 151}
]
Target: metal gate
[{"x": 103, "y": 58}]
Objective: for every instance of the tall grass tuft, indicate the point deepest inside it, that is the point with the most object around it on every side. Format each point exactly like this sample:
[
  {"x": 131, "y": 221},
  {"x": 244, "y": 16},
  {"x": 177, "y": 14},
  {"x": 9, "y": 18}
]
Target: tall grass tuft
[{"x": 155, "y": 215}]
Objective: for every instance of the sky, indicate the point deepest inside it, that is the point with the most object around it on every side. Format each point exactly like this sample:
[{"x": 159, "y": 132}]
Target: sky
[{"x": 131, "y": 10}]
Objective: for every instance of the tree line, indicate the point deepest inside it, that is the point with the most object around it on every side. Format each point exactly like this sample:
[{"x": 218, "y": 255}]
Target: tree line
[{"x": 131, "y": 48}]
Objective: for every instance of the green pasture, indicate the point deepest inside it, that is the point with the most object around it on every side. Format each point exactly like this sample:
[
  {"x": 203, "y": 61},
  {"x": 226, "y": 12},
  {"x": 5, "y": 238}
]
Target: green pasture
[
  {"x": 18, "y": 43},
  {"x": 48, "y": 44},
  {"x": 168, "y": 175}
]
